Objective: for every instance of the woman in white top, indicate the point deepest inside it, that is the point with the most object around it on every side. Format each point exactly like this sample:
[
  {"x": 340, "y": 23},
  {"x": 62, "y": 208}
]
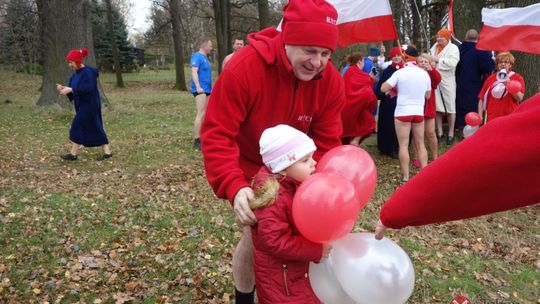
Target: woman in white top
[{"x": 413, "y": 87}]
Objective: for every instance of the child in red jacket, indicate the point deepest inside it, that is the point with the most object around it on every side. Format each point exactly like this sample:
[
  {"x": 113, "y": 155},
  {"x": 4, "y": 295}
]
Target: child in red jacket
[{"x": 281, "y": 253}]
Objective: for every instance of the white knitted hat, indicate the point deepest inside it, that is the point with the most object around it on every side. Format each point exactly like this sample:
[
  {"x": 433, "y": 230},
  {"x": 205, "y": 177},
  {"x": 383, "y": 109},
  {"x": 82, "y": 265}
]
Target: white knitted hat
[{"x": 282, "y": 146}]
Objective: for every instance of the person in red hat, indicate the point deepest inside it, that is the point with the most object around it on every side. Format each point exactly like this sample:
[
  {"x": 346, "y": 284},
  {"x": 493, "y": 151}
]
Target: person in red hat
[
  {"x": 387, "y": 142},
  {"x": 279, "y": 78},
  {"x": 484, "y": 168},
  {"x": 87, "y": 126}
]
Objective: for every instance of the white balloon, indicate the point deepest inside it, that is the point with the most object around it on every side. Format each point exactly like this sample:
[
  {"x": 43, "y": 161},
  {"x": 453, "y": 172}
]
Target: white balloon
[
  {"x": 372, "y": 271},
  {"x": 325, "y": 284},
  {"x": 469, "y": 130}
]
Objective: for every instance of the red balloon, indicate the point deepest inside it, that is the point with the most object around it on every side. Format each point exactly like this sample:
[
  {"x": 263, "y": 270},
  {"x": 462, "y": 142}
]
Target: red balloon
[
  {"x": 325, "y": 207},
  {"x": 355, "y": 165},
  {"x": 473, "y": 119},
  {"x": 513, "y": 87}
]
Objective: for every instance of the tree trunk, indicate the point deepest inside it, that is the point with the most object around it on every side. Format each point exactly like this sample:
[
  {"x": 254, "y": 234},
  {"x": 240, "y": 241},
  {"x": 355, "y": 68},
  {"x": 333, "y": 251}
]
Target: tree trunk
[
  {"x": 114, "y": 46},
  {"x": 264, "y": 19},
  {"x": 65, "y": 25},
  {"x": 396, "y": 7},
  {"x": 222, "y": 13},
  {"x": 178, "y": 48},
  {"x": 467, "y": 15},
  {"x": 436, "y": 12},
  {"x": 416, "y": 25},
  {"x": 527, "y": 64}
]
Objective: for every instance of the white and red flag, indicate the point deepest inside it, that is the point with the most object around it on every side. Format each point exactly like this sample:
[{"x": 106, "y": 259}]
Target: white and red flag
[
  {"x": 516, "y": 28},
  {"x": 364, "y": 21},
  {"x": 451, "y": 17}
]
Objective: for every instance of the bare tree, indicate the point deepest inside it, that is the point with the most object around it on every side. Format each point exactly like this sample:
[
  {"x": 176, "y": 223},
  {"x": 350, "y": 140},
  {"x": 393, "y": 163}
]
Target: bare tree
[
  {"x": 114, "y": 46},
  {"x": 264, "y": 19},
  {"x": 65, "y": 25},
  {"x": 467, "y": 15},
  {"x": 174, "y": 9},
  {"x": 222, "y": 13}
]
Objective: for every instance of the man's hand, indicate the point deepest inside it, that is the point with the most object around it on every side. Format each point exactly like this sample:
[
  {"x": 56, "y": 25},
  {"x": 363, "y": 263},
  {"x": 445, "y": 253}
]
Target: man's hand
[
  {"x": 241, "y": 206},
  {"x": 379, "y": 230}
]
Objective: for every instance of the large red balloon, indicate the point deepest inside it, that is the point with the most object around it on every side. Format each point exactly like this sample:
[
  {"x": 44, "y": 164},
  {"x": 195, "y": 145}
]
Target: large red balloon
[
  {"x": 473, "y": 119},
  {"x": 355, "y": 165},
  {"x": 513, "y": 87},
  {"x": 325, "y": 207}
]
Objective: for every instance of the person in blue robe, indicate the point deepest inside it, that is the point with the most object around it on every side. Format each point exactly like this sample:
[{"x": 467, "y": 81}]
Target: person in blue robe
[{"x": 87, "y": 126}]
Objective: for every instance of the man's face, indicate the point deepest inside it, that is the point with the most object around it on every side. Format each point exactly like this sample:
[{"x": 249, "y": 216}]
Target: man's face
[
  {"x": 207, "y": 47},
  {"x": 238, "y": 43},
  {"x": 307, "y": 61}
]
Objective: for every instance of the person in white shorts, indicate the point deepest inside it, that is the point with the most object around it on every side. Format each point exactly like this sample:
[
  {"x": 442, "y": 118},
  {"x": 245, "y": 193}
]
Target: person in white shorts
[{"x": 413, "y": 87}]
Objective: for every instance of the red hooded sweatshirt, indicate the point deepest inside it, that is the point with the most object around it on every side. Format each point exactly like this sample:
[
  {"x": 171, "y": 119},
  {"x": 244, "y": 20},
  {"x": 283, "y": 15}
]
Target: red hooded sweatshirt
[
  {"x": 281, "y": 255},
  {"x": 496, "y": 169},
  {"x": 257, "y": 90},
  {"x": 360, "y": 102}
]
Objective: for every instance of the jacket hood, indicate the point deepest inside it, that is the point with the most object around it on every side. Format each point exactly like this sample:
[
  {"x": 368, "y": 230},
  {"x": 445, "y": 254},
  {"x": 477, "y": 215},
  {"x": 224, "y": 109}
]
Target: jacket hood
[
  {"x": 265, "y": 43},
  {"x": 89, "y": 69},
  {"x": 265, "y": 174}
]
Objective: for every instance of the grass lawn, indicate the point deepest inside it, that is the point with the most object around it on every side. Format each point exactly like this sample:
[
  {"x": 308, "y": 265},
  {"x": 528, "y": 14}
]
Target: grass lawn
[{"x": 145, "y": 227}]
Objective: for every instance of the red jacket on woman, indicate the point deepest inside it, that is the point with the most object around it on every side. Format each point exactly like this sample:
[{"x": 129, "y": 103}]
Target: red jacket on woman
[
  {"x": 430, "y": 109},
  {"x": 360, "y": 102},
  {"x": 496, "y": 169},
  {"x": 497, "y": 107},
  {"x": 258, "y": 90},
  {"x": 281, "y": 253}
]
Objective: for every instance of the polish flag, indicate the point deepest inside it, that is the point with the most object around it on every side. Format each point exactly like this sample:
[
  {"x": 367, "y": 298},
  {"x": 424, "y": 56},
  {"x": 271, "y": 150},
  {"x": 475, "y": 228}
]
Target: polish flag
[
  {"x": 451, "y": 17},
  {"x": 515, "y": 28},
  {"x": 364, "y": 21}
]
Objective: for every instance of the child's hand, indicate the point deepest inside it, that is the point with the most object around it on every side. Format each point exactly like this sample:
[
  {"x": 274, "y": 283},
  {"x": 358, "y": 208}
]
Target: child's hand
[
  {"x": 326, "y": 249},
  {"x": 379, "y": 230}
]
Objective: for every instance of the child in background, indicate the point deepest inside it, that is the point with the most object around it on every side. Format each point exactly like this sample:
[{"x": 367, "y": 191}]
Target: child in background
[{"x": 281, "y": 253}]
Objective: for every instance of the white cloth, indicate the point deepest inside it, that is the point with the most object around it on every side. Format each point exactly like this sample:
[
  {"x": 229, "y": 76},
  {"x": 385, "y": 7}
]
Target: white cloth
[
  {"x": 412, "y": 83},
  {"x": 382, "y": 63},
  {"x": 448, "y": 60},
  {"x": 282, "y": 146}
]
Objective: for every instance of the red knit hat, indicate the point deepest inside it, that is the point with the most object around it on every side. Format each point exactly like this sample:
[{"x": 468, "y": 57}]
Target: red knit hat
[
  {"x": 77, "y": 55},
  {"x": 395, "y": 51},
  {"x": 310, "y": 22}
]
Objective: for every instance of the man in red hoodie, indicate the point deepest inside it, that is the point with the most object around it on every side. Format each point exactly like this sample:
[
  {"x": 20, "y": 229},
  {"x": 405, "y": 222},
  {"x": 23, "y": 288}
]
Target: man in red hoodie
[{"x": 280, "y": 78}]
